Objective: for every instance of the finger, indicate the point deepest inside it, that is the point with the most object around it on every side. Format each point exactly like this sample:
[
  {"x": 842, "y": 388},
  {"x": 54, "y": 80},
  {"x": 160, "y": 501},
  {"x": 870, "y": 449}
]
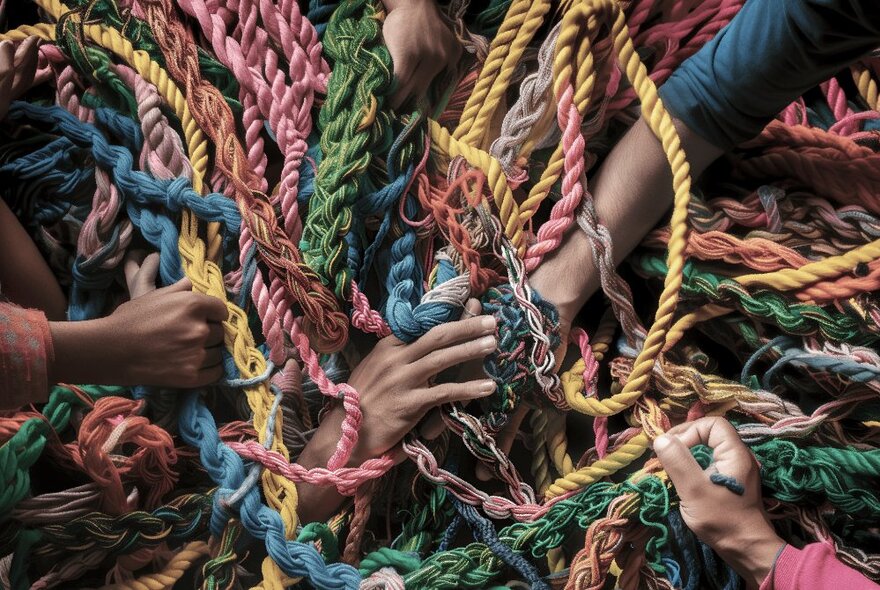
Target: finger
[
  {"x": 7, "y": 75},
  {"x": 214, "y": 308},
  {"x": 686, "y": 474},
  {"x": 25, "y": 65},
  {"x": 447, "y": 393},
  {"x": 181, "y": 286},
  {"x": 504, "y": 440},
  {"x": 209, "y": 375},
  {"x": 433, "y": 425},
  {"x": 471, "y": 308},
  {"x": 422, "y": 81},
  {"x": 711, "y": 430},
  {"x": 149, "y": 271},
  {"x": 213, "y": 357},
  {"x": 130, "y": 268},
  {"x": 449, "y": 334},
  {"x": 215, "y": 334},
  {"x": 457, "y": 354}
]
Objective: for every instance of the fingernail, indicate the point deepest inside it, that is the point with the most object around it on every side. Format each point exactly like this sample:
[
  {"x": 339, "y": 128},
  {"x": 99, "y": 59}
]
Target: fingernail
[
  {"x": 487, "y": 343},
  {"x": 488, "y": 322},
  {"x": 661, "y": 442},
  {"x": 486, "y": 387}
]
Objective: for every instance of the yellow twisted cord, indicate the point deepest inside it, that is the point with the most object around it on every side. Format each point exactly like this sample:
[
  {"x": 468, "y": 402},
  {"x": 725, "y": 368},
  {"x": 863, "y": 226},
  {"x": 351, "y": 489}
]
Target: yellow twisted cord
[
  {"x": 508, "y": 210},
  {"x": 176, "y": 567},
  {"x": 205, "y": 275},
  {"x": 790, "y": 279},
  {"x": 787, "y": 279},
  {"x": 523, "y": 19},
  {"x": 574, "y": 52},
  {"x": 661, "y": 124},
  {"x": 866, "y": 86},
  {"x": 614, "y": 462}
]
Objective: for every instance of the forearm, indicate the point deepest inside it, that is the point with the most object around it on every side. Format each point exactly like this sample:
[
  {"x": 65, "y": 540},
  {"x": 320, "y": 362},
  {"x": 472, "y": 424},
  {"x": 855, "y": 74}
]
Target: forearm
[
  {"x": 24, "y": 276},
  {"x": 633, "y": 190},
  {"x": 392, "y": 4},
  {"x": 318, "y": 503}
]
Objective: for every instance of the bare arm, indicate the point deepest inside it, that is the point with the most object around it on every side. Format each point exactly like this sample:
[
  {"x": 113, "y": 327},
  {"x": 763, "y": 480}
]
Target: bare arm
[{"x": 632, "y": 189}]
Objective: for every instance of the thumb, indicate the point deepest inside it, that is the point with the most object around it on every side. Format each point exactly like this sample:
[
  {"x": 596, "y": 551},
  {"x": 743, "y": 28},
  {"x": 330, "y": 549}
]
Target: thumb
[
  {"x": 181, "y": 286},
  {"x": 686, "y": 474}
]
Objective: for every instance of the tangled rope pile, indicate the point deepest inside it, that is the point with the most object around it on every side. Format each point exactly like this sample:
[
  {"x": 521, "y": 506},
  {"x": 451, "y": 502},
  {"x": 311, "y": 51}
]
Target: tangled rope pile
[{"x": 252, "y": 145}]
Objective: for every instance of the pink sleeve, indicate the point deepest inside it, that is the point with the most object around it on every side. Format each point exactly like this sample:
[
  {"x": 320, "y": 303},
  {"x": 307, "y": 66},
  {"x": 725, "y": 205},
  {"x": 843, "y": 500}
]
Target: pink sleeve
[
  {"x": 25, "y": 353},
  {"x": 815, "y": 567}
]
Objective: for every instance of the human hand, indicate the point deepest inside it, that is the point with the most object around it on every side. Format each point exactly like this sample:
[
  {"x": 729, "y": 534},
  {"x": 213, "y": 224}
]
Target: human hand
[
  {"x": 394, "y": 382},
  {"x": 733, "y": 524},
  {"x": 421, "y": 46},
  {"x": 170, "y": 337},
  {"x": 17, "y": 69}
]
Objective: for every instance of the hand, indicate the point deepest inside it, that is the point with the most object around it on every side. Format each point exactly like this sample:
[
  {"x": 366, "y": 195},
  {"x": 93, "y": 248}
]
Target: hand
[
  {"x": 168, "y": 337},
  {"x": 735, "y": 526},
  {"x": 17, "y": 69},
  {"x": 421, "y": 46},
  {"x": 394, "y": 382}
]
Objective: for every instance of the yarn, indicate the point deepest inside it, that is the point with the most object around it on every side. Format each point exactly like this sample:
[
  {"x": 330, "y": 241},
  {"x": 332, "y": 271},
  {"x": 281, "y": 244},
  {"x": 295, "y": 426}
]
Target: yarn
[{"x": 187, "y": 126}]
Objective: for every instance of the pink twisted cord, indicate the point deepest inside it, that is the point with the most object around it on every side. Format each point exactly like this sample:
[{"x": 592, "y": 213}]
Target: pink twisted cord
[
  {"x": 795, "y": 113},
  {"x": 591, "y": 377},
  {"x": 562, "y": 215},
  {"x": 836, "y": 99},
  {"x": 163, "y": 152},
  {"x": 346, "y": 480},
  {"x": 106, "y": 204},
  {"x": 365, "y": 317}
]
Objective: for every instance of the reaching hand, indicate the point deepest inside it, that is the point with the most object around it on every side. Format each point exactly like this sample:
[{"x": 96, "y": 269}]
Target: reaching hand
[
  {"x": 170, "y": 337},
  {"x": 17, "y": 69},
  {"x": 394, "y": 382},
  {"x": 729, "y": 518},
  {"x": 421, "y": 46}
]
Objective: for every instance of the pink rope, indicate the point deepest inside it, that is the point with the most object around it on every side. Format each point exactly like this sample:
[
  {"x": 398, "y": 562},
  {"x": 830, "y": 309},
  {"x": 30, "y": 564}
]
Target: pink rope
[
  {"x": 345, "y": 479},
  {"x": 562, "y": 215},
  {"x": 591, "y": 377}
]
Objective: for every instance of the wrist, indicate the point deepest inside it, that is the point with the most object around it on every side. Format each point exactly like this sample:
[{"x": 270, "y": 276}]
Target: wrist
[
  {"x": 77, "y": 347},
  {"x": 751, "y": 551},
  {"x": 392, "y": 4}
]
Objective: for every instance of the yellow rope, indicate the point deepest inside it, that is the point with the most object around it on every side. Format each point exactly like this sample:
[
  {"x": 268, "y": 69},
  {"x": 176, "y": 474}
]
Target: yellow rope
[
  {"x": 205, "y": 275},
  {"x": 866, "y": 86},
  {"x": 522, "y": 20},
  {"x": 614, "y": 462},
  {"x": 170, "y": 574},
  {"x": 508, "y": 210},
  {"x": 574, "y": 53}
]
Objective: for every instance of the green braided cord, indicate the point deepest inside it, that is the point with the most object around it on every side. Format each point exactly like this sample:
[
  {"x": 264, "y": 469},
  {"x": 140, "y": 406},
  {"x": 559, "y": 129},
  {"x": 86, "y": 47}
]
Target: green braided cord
[
  {"x": 421, "y": 527},
  {"x": 93, "y": 62},
  {"x": 184, "y": 518},
  {"x": 360, "y": 78},
  {"x": 138, "y": 32},
  {"x": 803, "y": 474},
  {"x": 21, "y": 451},
  {"x": 219, "y": 571},
  {"x": 475, "y": 565},
  {"x": 319, "y": 531},
  {"x": 401, "y": 561},
  {"x": 809, "y": 475},
  {"x": 793, "y": 317}
]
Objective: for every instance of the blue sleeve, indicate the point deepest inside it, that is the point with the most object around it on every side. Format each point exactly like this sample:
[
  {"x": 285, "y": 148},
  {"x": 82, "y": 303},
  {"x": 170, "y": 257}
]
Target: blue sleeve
[{"x": 771, "y": 52}]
